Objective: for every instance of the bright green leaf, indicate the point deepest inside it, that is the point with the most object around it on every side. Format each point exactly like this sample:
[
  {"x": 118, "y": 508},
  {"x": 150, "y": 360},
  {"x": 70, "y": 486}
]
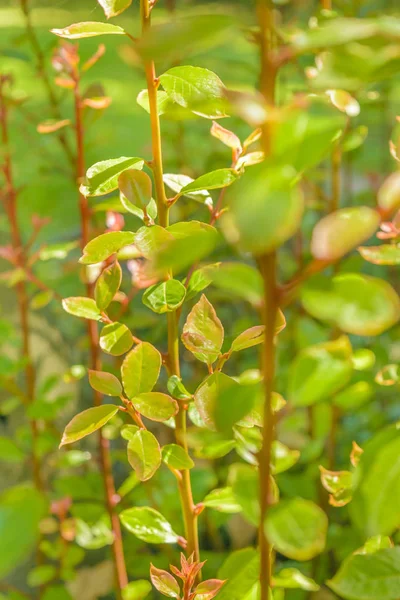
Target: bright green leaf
[
  {"x": 223, "y": 500},
  {"x": 144, "y": 454},
  {"x": 86, "y": 308},
  {"x": 115, "y": 339},
  {"x": 148, "y": 525},
  {"x": 105, "y": 383},
  {"x": 175, "y": 456},
  {"x": 211, "y": 181},
  {"x": 88, "y": 421},
  {"x": 164, "y": 297},
  {"x": 136, "y": 590},
  {"x": 155, "y": 405},
  {"x": 203, "y": 333},
  {"x": 107, "y": 285},
  {"x": 88, "y": 29},
  {"x": 136, "y": 190},
  {"x": 141, "y": 369},
  {"x": 177, "y": 182},
  {"x": 112, "y": 8},
  {"x": 102, "y": 177},
  {"x": 103, "y": 246}
]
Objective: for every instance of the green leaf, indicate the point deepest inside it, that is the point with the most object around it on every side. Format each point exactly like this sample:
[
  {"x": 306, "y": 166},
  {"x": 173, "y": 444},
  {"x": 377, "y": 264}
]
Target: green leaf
[
  {"x": 88, "y": 29},
  {"x": 164, "y": 582},
  {"x": 107, "y": 285},
  {"x": 238, "y": 279},
  {"x": 41, "y": 299},
  {"x": 375, "y": 543},
  {"x": 369, "y": 576},
  {"x": 339, "y": 484},
  {"x": 155, "y": 406},
  {"x": 255, "y": 335},
  {"x": 102, "y": 177},
  {"x": 389, "y": 194},
  {"x": 343, "y": 230},
  {"x": 115, "y": 339},
  {"x": 241, "y": 569},
  {"x": 57, "y": 251},
  {"x": 141, "y": 369},
  {"x": 292, "y": 579},
  {"x": 88, "y": 421},
  {"x": 177, "y": 182},
  {"x": 173, "y": 39},
  {"x": 245, "y": 486},
  {"x": 112, "y": 8},
  {"x": 353, "y": 302},
  {"x": 334, "y": 32},
  {"x": 144, "y": 454},
  {"x": 148, "y": 240},
  {"x": 354, "y": 396},
  {"x": 203, "y": 333},
  {"x": 177, "y": 389},
  {"x": 223, "y": 500},
  {"x": 164, "y": 297},
  {"x": 374, "y": 508},
  {"x": 9, "y": 451},
  {"x": 200, "y": 280},
  {"x": 206, "y": 590},
  {"x": 128, "y": 431},
  {"x": 21, "y": 510},
  {"x": 41, "y": 575},
  {"x": 94, "y": 536},
  {"x": 175, "y": 456},
  {"x": 86, "y": 308},
  {"x": 222, "y": 401},
  {"x": 282, "y": 457},
  {"x": 136, "y": 590},
  {"x": 385, "y": 254},
  {"x": 103, "y": 246},
  {"x": 320, "y": 371},
  {"x": 105, "y": 383},
  {"x": 136, "y": 190},
  {"x": 191, "y": 241},
  {"x": 148, "y": 525},
  {"x": 211, "y": 181},
  {"x": 297, "y": 528},
  {"x": 274, "y": 214}
]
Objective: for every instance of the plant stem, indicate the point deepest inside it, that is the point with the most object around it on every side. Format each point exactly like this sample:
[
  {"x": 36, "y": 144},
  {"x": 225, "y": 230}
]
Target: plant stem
[
  {"x": 185, "y": 487},
  {"x": 267, "y": 266},
  {"x": 326, "y": 4},
  {"x": 10, "y": 201},
  {"x": 121, "y": 578},
  {"x": 41, "y": 70}
]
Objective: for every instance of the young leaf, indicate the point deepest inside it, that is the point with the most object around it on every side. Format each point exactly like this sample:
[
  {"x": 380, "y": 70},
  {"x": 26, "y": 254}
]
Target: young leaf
[
  {"x": 339, "y": 484},
  {"x": 247, "y": 339},
  {"x": 52, "y": 125},
  {"x": 175, "y": 456},
  {"x": 141, "y": 369},
  {"x": 144, "y": 454},
  {"x": 107, "y": 285},
  {"x": 282, "y": 458},
  {"x": 102, "y": 177},
  {"x": 148, "y": 240},
  {"x": 343, "y": 230},
  {"x": 105, "y": 383},
  {"x": 88, "y": 421},
  {"x": 148, "y": 525},
  {"x": 177, "y": 389},
  {"x": 226, "y": 137},
  {"x": 115, "y": 339},
  {"x": 206, "y": 590},
  {"x": 203, "y": 333},
  {"x": 128, "y": 431},
  {"x": 112, "y": 8},
  {"x": 177, "y": 182},
  {"x": 369, "y": 576},
  {"x": 105, "y": 245},
  {"x": 353, "y": 302},
  {"x": 164, "y": 297},
  {"x": 88, "y": 29},
  {"x": 85, "y": 308},
  {"x": 155, "y": 406},
  {"x": 297, "y": 528},
  {"x": 385, "y": 254},
  {"x": 211, "y": 181},
  {"x": 136, "y": 189},
  {"x": 164, "y": 582}
]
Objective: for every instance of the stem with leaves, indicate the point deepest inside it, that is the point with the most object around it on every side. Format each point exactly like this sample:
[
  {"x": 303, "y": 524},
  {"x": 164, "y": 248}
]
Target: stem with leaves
[
  {"x": 121, "y": 577},
  {"x": 185, "y": 488},
  {"x": 10, "y": 204}
]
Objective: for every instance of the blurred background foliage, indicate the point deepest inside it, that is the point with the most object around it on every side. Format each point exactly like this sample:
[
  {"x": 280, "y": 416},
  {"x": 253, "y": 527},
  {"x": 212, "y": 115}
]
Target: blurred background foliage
[{"x": 48, "y": 189}]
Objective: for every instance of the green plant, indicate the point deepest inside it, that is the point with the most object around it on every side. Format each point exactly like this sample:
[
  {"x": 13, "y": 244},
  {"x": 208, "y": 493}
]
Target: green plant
[{"x": 232, "y": 317}]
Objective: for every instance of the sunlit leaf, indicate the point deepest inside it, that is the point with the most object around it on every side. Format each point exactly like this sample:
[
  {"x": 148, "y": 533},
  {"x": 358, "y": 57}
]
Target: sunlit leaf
[
  {"x": 164, "y": 297},
  {"x": 141, "y": 369},
  {"x": 88, "y": 29},
  {"x": 105, "y": 383},
  {"x": 102, "y": 177},
  {"x": 175, "y": 456},
  {"x": 223, "y": 500},
  {"x": 164, "y": 582},
  {"x": 297, "y": 528},
  {"x": 294, "y": 579},
  {"x": 144, "y": 454},
  {"x": 389, "y": 194},
  {"x": 353, "y": 302},
  {"x": 136, "y": 189},
  {"x": 177, "y": 182},
  {"x": 386, "y": 254},
  {"x": 155, "y": 405},
  {"x": 136, "y": 590},
  {"x": 85, "y": 308},
  {"x": 105, "y": 245},
  {"x": 241, "y": 569},
  {"x": 107, "y": 285},
  {"x": 115, "y": 339},
  {"x": 88, "y": 421},
  {"x": 112, "y": 8},
  {"x": 148, "y": 525},
  {"x": 203, "y": 333}
]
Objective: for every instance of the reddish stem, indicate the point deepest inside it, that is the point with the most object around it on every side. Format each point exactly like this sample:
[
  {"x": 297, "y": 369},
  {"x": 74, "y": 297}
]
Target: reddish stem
[{"x": 121, "y": 578}]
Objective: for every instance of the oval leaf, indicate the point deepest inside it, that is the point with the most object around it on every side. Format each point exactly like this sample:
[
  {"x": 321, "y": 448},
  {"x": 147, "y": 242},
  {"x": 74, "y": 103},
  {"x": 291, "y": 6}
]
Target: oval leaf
[
  {"x": 105, "y": 383},
  {"x": 164, "y": 582},
  {"x": 175, "y": 456},
  {"x": 88, "y": 421},
  {"x": 148, "y": 525},
  {"x": 105, "y": 245},
  {"x": 164, "y": 297},
  {"x": 107, "y": 285},
  {"x": 86, "y": 308},
  {"x": 203, "y": 333},
  {"x": 102, "y": 177},
  {"x": 141, "y": 369},
  {"x": 144, "y": 454},
  {"x": 155, "y": 406},
  {"x": 115, "y": 339}
]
